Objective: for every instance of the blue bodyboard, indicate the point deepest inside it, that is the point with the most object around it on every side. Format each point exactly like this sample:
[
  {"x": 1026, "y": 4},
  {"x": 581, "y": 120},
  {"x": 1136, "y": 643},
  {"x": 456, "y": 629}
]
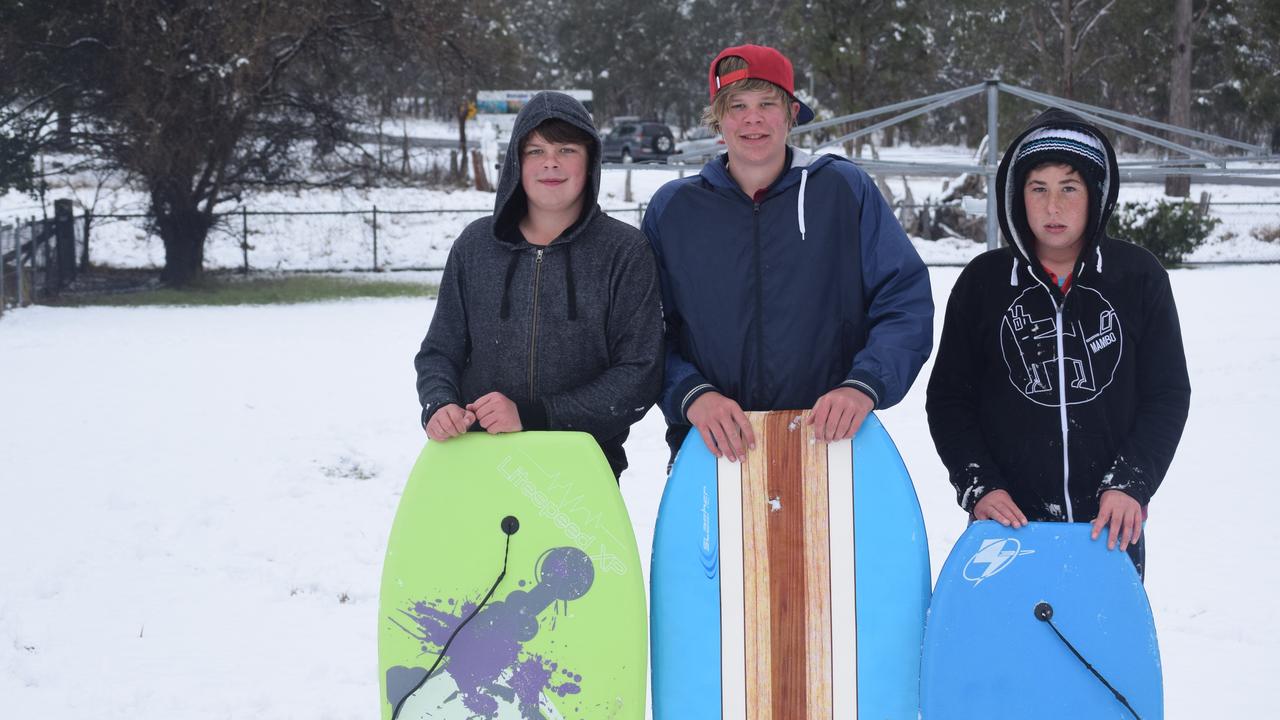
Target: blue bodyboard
[
  {"x": 890, "y": 554},
  {"x": 987, "y": 654}
]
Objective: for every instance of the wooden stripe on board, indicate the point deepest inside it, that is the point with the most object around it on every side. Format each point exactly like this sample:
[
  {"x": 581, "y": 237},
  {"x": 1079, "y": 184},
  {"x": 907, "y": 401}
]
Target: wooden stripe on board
[
  {"x": 759, "y": 577},
  {"x": 786, "y": 533},
  {"x": 788, "y": 634},
  {"x": 817, "y": 561}
]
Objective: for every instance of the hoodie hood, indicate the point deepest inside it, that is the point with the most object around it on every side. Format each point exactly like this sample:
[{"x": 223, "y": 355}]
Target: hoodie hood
[
  {"x": 511, "y": 204},
  {"x": 1012, "y": 211}
]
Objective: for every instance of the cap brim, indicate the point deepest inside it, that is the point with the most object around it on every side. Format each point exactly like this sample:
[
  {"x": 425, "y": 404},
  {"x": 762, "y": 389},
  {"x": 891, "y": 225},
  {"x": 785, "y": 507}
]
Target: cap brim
[{"x": 805, "y": 115}]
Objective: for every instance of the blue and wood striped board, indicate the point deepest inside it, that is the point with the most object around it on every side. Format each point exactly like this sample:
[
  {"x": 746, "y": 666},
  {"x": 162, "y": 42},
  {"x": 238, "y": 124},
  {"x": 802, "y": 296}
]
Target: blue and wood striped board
[
  {"x": 988, "y": 655},
  {"x": 792, "y": 586}
]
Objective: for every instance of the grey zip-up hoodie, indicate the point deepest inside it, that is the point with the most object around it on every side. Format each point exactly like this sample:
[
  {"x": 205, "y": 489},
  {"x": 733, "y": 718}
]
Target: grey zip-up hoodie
[{"x": 570, "y": 332}]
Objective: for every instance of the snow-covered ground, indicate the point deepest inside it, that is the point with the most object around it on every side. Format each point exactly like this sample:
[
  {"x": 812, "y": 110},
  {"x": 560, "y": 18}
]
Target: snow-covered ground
[{"x": 194, "y": 505}]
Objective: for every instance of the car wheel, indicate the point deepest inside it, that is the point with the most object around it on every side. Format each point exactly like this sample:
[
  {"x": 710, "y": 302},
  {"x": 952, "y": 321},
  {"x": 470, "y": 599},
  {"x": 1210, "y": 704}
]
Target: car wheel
[
  {"x": 662, "y": 144},
  {"x": 626, "y": 155}
]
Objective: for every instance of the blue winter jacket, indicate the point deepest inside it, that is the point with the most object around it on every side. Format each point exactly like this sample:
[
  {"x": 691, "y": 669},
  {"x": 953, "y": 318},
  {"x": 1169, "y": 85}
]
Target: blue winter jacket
[{"x": 775, "y": 303}]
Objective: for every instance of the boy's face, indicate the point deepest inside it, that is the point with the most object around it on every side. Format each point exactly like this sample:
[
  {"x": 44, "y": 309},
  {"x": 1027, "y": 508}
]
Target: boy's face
[
  {"x": 755, "y": 126},
  {"x": 1057, "y": 203},
  {"x": 552, "y": 174}
]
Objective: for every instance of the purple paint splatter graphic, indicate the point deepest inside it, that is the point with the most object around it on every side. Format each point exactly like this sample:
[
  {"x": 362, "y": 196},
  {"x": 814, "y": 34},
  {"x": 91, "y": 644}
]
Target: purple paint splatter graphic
[{"x": 487, "y": 660}]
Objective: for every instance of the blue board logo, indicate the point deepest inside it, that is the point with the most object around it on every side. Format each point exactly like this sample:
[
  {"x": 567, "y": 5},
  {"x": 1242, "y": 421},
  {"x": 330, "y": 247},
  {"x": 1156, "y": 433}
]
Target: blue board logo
[
  {"x": 708, "y": 547},
  {"x": 994, "y": 555}
]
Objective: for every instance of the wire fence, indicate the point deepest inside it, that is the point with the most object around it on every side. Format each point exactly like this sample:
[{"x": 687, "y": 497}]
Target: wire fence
[
  {"x": 36, "y": 260},
  {"x": 369, "y": 239}
]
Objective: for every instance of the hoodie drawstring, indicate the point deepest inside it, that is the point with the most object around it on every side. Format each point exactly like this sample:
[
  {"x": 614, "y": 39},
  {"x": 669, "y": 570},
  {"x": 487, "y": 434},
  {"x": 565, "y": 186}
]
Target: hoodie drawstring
[
  {"x": 1099, "y": 251},
  {"x": 1013, "y": 274},
  {"x": 505, "y": 312},
  {"x": 571, "y": 296},
  {"x": 804, "y": 178}
]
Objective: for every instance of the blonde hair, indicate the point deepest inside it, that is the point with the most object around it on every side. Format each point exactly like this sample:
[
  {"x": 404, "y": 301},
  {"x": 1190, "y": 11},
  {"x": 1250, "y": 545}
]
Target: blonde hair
[{"x": 712, "y": 113}]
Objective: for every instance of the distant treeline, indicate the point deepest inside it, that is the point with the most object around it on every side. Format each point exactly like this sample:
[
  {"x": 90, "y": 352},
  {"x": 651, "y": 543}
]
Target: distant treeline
[{"x": 650, "y": 59}]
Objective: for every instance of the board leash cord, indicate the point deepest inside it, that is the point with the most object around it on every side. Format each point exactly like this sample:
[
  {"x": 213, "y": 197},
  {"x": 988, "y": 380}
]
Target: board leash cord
[
  {"x": 509, "y": 527},
  {"x": 1044, "y": 613}
]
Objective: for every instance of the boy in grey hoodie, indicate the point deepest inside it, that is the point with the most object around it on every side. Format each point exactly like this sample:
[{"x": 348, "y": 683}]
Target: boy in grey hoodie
[{"x": 548, "y": 316}]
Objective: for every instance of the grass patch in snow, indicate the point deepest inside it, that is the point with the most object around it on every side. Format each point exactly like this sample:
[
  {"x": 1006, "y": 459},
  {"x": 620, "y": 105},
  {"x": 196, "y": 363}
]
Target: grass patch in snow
[{"x": 226, "y": 289}]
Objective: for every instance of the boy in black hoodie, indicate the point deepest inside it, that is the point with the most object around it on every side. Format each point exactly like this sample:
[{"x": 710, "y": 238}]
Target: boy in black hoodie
[
  {"x": 1060, "y": 388},
  {"x": 548, "y": 316}
]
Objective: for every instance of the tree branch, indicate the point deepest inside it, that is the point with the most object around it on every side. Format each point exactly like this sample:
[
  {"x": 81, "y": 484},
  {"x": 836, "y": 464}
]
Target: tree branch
[{"x": 1093, "y": 22}]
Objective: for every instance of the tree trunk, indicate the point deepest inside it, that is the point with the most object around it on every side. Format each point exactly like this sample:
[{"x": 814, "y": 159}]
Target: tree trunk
[
  {"x": 64, "y": 106},
  {"x": 1180, "y": 90},
  {"x": 183, "y": 228},
  {"x": 462, "y": 142},
  {"x": 1068, "y": 52}
]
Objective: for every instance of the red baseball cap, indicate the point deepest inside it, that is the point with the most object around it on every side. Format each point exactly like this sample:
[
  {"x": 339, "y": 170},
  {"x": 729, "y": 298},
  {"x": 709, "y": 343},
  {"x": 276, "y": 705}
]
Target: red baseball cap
[{"x": 763, "y": 63}]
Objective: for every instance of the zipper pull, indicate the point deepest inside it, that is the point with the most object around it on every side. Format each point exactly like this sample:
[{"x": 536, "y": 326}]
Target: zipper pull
[{"x": 538, "y": 258}]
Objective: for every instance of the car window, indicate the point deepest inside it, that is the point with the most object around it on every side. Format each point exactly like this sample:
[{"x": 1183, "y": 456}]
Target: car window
[
  {"x": 654, "y": 129},
  {"x": 625, "y": 130}
]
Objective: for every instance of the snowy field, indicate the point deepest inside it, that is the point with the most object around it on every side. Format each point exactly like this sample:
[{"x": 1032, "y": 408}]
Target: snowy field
[{"x": 194, "y": 505}]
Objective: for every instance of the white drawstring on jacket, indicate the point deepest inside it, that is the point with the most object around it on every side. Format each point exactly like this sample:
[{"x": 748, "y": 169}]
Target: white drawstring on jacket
[
  {"x": 1013, "y": 274},
  {"x": 804, "y": 178}
]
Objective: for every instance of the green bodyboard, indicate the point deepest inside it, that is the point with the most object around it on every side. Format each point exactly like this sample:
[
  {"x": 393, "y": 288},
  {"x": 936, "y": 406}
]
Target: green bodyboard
[{"x": 564, "y": 635}]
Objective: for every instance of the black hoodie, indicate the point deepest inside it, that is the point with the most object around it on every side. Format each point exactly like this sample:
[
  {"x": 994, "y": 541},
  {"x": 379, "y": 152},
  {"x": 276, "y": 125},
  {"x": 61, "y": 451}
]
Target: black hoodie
[
  {"x": 570, "y": 332},
  {"x": 1002, "y": 407}
]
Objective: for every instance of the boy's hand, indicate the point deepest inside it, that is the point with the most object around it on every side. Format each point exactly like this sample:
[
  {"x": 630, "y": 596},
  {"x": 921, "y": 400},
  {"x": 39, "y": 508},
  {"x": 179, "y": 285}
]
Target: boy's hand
[
  {"x": 725, "y": 429},
  {"x": 1123, "y": 514},
  {"x": 999, "y": 506},
  {"x": 838, "y": 414},
  {"x": 448, "y": 422},
  {"x": 496, "y": 413}
]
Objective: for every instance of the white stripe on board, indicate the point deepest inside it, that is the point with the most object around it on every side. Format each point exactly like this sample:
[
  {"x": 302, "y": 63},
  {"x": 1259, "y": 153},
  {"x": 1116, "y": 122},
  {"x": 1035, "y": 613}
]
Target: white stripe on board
[
  {"x": 733, "y": 638},
  {"x": 844, "y": 625}
]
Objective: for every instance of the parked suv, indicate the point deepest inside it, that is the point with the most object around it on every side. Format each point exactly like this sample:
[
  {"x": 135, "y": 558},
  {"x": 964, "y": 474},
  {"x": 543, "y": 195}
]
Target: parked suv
[{"x": 638, "y": 142}]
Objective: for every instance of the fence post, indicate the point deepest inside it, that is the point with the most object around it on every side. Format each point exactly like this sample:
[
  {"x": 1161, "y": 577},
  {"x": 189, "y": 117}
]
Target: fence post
[
  {"x": 640, "y": 214},
  {"x": 993, "y": 129},
  {"x": 31, "y": 232},
  {"x": 3, "y": 297},
  {"x": 244, "y": 239},
  {"x": 375, "y": 238},
  {"x": 84, "y": 253},
  {"x": 17, "y": 262},
  {"x": 65, "y": 242}
]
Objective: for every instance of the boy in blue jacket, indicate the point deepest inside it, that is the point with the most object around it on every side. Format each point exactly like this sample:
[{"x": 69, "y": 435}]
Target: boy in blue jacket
[{"x": 787, "y": 283}]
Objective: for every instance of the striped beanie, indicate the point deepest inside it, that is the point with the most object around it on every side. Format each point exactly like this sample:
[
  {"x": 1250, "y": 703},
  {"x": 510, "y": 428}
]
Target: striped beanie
[{"x": 1082, "y": 151}]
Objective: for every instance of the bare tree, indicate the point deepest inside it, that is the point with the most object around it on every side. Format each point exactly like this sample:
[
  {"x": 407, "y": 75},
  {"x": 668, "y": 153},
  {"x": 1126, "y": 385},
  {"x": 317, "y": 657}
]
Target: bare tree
[
  {"x": 1060, "y": 31},
  {"x": 1180, "y": 88},
  {"x": 199, "y": 102}
]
